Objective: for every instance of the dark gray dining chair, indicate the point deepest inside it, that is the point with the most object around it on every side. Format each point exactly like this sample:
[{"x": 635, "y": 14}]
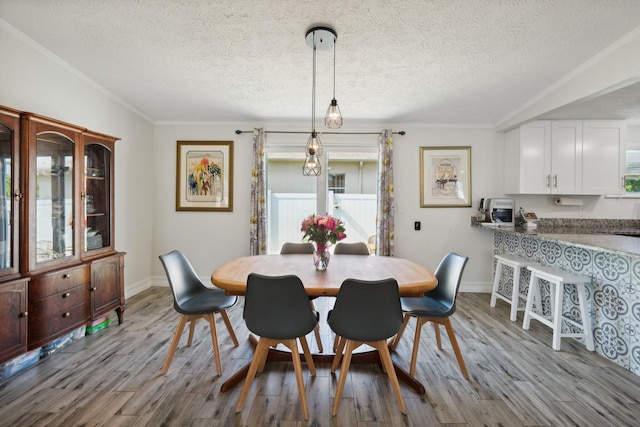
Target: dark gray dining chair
[
  {"x": 292, "y": 248},
  {"x": 277, "y": 310},
  {"x": 193, "y": 300},
  {"x": 366, "y": 312},
  {"x": 436, "y": 306},
  {"x": 304, "y": 248},
  {"x": 342, "y": 248},
  {"x": 357, "y": 248}
]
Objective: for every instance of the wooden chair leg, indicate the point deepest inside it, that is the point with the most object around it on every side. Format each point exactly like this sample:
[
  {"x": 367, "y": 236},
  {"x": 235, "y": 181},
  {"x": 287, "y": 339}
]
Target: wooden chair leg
[
  {"x": 385, "y": 357},
  {"x": 420, "y": 321},
  {"x": 307, "y": 355},
  {"x": 214, "y": 341},
  {"x": 227, "y": 322},
  {"x": 436, "y": 330},
  {"x": 396, "y": 339},
  {"x": 174, "y": 343},
  {"x": 316, "y": 330},
  {"x": 297, "y": 367},
  {"x": 262, "y": 348},
  {"x": 192, "y": 328},
  {"x": 344, "y": 370},
  {"x": 336, "y": 342},
  {"x": 454, "y": 343},
  {"x": 339, "y": 350}
]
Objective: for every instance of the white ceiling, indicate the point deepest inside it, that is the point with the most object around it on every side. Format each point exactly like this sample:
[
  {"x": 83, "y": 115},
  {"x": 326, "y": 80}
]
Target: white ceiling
[{"x": 413, "y": 61}]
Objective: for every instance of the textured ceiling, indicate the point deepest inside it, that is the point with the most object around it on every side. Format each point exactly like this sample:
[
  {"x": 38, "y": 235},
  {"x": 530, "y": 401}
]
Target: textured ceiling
[{"x": 437, "y": 61}]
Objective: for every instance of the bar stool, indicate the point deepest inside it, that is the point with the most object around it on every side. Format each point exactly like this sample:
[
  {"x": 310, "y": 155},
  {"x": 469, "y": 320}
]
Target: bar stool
[
  {"x": 516, "y": 263},
  {"x": 557, "y": 280}
]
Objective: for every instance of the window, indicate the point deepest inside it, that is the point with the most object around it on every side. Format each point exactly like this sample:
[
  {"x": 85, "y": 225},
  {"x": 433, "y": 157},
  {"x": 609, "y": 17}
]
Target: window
[
  {"x": 632, "y": 176},
  {"x": 336, "y": 182},
  {"x": 346, "y": 189}
]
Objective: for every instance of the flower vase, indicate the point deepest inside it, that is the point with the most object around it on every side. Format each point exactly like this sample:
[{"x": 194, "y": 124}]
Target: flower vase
[{"x": 321, "y": 257}]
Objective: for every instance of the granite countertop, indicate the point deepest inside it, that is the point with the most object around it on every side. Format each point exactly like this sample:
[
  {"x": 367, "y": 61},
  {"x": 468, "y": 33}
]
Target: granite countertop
[{"x": 610, "y": 235}]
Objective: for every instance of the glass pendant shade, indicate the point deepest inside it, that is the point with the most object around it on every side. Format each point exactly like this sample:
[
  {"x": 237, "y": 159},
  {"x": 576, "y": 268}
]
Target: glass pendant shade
[
  {"x": 314, "y": 143},
  {"x": 333, "y": 118},
  {"x": 311, "y": 164}
]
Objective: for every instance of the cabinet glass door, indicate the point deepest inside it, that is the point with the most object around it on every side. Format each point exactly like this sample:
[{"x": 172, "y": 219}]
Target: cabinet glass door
[
  {"x": 54, "y": 197},
  {"x": 6, "y": 156},
  {"x": 97, "y": 197}
]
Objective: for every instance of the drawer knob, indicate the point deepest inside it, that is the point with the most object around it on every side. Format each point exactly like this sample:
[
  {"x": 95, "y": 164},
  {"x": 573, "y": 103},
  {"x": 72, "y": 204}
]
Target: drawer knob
[
  {"x": 66, "y": 295},
  {"x": 25, "y": 314},
  {"x": 67, "y": 314},
  {"x": 95, "y": 288},
  {"x": 65, "y": 276}
]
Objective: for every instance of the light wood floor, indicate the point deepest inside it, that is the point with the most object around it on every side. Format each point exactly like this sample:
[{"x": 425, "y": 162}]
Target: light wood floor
[{"x": 113, "y": 379}]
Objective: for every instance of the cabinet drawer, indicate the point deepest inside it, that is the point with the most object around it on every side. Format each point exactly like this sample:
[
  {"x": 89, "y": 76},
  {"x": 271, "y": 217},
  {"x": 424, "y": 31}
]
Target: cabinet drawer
[
  {"x": 48, "y": 284},
  {"x": 44, "y": 330},
  {"x": 58, "y": 303}
]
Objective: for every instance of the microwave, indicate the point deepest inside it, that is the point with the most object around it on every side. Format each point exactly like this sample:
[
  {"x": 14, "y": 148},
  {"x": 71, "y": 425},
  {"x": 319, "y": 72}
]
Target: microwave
[{"x": 500, "y": 211}]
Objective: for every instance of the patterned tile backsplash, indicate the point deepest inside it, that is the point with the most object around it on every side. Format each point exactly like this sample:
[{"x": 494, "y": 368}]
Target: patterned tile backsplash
[{"x": 614, "y": 294}]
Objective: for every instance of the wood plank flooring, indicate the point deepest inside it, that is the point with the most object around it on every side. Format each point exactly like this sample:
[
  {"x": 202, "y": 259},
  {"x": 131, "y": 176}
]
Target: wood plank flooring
[{"x": 113, "y": 379}]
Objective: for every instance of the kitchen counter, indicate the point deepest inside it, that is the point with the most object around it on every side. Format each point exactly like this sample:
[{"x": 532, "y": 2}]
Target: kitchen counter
[
  {"x": 617, "y": 236},
  {"x": 604, "y": 250}
]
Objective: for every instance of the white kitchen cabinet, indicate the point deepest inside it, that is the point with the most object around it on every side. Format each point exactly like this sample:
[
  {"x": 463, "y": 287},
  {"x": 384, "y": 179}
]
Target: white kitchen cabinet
[
  {"x": 568, "y": 157},
  {"x": 544, "y": 157},
  {"x": 603, "y": 157}
]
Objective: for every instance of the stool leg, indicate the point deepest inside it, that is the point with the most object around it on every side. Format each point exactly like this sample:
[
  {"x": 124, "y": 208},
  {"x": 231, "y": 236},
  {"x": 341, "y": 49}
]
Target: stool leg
[
  {"x": 515, "y": 293},
  {"x": 496, "y": 283},
  {"x": 586, "y": 320},
  {"x": 533, "y": 290},
  {"x": 556, "y": 307}
]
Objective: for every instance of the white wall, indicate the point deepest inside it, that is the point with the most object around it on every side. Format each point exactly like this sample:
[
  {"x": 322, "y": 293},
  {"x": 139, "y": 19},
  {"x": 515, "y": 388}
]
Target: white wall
[{"x": 34, "y": 81}]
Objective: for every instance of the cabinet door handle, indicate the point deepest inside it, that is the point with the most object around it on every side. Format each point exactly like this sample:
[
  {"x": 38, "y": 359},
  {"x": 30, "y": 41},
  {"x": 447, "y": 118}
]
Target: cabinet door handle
[
  {"x": 549, "y": 181},
  {"x": 66, "y": 295},
  {"x": 624, "y": 181},
  {"x": 18, "y": 196},
  {"x": 67, "y": 314},
  {"x": 94, "y": 288},
  {"x": 25, "y": 314},
  {"x": 555, "y": 181}
]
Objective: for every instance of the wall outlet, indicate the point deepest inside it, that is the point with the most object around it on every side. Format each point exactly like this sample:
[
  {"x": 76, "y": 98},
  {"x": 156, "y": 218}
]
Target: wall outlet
[{"x": 416, "y": 225}]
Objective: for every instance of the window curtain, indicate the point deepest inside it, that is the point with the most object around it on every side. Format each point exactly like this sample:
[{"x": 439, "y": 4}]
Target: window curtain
[
  {"x": 385, "y": 217},
  {"x": 258, "y": 205}
]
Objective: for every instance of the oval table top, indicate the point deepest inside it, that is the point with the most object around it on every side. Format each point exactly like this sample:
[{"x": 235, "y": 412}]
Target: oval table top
[{"x": 413, "y": 279}]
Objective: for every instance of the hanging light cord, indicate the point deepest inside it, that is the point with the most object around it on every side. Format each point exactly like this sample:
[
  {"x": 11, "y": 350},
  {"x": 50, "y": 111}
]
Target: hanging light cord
[
  {"x": 313, "y": 86},
  {"x": 334, "y": 68}
]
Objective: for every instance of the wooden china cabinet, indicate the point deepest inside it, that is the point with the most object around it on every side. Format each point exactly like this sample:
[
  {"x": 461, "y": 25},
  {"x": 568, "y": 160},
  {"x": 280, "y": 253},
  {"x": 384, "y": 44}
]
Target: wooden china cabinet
[
  {"x": 13, "y": 287},
  {"x": 59, "y": 266}
]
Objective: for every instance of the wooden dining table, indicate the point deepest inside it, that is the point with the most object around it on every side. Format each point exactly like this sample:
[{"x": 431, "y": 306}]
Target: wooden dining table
[{"x": 413, "y": 281}]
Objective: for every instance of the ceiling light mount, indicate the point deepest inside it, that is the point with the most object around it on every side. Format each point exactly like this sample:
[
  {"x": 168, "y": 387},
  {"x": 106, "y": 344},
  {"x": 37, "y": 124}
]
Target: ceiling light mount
[{"x": 325, "y": 38}]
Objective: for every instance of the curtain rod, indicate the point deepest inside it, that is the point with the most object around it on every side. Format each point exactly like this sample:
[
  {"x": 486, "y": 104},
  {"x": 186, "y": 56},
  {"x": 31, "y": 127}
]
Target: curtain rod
[{"x": 238, "y": 132}]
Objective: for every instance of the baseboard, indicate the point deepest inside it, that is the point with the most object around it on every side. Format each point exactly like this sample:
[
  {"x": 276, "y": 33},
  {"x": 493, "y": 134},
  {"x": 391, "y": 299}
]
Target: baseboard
[
  {"x": 134, "y": 289},
  {"x": 481, "y": 288}
]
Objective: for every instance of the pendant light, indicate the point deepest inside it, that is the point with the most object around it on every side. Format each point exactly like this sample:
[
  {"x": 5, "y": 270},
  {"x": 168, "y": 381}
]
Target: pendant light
[
  {"x": 333, "y": 118},
  {"x": 311, "y": 164},
  {"x": 316, "y": 38}
]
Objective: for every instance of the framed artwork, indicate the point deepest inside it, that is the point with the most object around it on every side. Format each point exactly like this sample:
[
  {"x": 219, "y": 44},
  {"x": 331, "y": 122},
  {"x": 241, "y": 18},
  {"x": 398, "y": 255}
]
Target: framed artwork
[
  {"x": 204, "y": 176},
  {"x": 445, "y": 177}
]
